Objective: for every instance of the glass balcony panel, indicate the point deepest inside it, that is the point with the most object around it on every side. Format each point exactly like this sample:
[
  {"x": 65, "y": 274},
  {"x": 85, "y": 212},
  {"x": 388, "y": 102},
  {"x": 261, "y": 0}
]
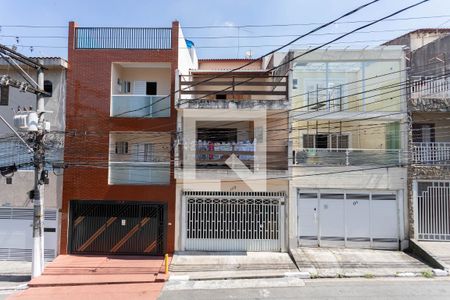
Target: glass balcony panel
[{"x": 140, "y": 106}]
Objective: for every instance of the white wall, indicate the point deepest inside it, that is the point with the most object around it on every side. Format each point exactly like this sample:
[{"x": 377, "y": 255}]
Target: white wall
[{"x": 186, "y": 60}]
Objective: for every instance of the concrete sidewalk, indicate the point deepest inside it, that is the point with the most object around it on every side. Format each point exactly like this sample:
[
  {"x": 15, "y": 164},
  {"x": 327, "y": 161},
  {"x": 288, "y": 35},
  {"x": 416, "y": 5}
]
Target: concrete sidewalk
[
  {"x": 230, "y": 265},
  {"x": 345, "y": 262},
  {"x": 14, "y": 276},
  {"x": 98, "y": 277},
  {"x": 15, "y": 271}
]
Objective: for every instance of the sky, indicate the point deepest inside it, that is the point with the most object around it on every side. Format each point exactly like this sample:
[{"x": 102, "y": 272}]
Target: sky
[{"x": 230, "y": 38}]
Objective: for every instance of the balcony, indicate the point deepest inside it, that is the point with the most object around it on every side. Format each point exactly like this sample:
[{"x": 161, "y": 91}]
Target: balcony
[
  {"x": 240, "y": 91},
  {"x": 431, "y": 94},
  {"x": 215, "y": 155},
  {"x": 123, "y": 38},
  {"x": 139, "y": 158},
  {"x": 436, "y": 153},
  {"x": 139, "y": 173},
  {"x": 140, "y": 90},
  {"x": 140, "y": 106},
  {"x": 348, "y": 157}
]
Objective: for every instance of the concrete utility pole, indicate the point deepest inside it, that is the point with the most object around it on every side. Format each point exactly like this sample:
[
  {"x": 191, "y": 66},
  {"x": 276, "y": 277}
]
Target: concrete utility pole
[{"x": 38, "y": 215}]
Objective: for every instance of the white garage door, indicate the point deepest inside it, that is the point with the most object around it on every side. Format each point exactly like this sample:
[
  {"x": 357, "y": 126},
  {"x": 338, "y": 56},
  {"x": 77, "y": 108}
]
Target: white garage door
[
  {"x": 16, "y": 233},
  {"x": 347, "y": 219},
  {"x": 233, "y": 221}
]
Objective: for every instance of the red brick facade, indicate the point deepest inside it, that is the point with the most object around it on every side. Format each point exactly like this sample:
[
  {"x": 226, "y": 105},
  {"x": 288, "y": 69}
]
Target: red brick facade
[{"x": 88, "y": 124}]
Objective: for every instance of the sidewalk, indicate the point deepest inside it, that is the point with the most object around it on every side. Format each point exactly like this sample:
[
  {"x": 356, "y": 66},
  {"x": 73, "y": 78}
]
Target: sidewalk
[
  {"x": 346, "y": 262},
  {"x": 14, "y": 276},
  {"x": 98, "y": 277},
  {"x": 230, "y": 265}
]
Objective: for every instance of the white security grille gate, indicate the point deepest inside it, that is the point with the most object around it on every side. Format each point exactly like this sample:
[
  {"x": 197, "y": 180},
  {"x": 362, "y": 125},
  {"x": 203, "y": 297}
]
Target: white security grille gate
[
  {"x": 433, "y": 204},
  {"x": 233, "y": 221},
  {"x": 16, "y": 233},
  {"x": 347, "y": 219}
]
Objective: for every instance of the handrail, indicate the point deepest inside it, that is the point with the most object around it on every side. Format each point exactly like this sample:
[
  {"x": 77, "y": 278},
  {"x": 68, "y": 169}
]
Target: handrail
[{"x": 123, "y": 38}]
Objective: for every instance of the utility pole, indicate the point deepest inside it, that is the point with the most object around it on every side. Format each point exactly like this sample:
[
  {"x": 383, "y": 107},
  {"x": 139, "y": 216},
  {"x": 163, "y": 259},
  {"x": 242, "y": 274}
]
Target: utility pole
[{"x": 38, "y": 203}]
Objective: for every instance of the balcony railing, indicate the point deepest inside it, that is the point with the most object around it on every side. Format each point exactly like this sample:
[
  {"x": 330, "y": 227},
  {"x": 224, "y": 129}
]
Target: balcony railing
[
  {"x": 348, "y": 157},
  {"x": 215, "y": 155},
  {"x": 430, "y": 88},
  {"x": 431, "y": 153},
  {"x": 327, "y": 99},
  {"x": 140, "y": 106},
  {"x": 123, "y": 38},
  {"x": 233, "y": 91},
  {"x": 139, "y": 173}
]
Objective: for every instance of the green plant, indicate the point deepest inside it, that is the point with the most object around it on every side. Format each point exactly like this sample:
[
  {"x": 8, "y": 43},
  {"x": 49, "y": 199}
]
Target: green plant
[{"x": 427, "y": 274}]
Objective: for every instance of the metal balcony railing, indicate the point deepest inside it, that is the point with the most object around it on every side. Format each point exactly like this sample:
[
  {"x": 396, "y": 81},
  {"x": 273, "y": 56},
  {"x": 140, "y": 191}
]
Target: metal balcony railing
[
  {"x": 123, "y": 38},
  {"x": 430, "y": 88},
  {"x": 431, "y": 153},
  {"x": 233, "y": 91},
  {"x": 140, "y": 106},
  {"x": 348, "y": 157}
]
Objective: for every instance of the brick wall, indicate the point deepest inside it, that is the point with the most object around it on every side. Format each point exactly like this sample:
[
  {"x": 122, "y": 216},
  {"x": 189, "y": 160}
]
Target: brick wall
[{"x": 88, "y": 125}]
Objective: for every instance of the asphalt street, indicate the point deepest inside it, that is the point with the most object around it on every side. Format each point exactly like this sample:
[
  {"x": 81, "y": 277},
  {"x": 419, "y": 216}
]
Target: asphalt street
[{"x": 387, "y": 288}]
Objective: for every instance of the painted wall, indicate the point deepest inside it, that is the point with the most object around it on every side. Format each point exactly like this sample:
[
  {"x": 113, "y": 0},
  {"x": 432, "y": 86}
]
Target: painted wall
[
  {"x": 16, "y": 194},
  {"x": 228, "y": 64},
  {"x": 145, "y": 72},
  {"x": 55, "y": 103},
  {"x": 369, "y": 134}
]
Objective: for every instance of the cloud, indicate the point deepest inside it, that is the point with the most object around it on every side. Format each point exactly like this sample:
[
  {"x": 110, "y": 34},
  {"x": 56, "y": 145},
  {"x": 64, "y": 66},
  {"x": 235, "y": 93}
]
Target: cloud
[{"x": 229, "y": 24}]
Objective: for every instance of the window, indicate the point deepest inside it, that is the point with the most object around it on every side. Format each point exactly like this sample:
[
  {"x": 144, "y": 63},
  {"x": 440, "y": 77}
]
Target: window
[
  {"x": 217, "y": 134},
  {"x": 151, "y": 88},
  {"x": 423, "y": 133},
  {"x": 324, "y": 141},
  {"x": 339, "y": 141},
  {"x": 308, "y": 141},
  {"x": 4, "y": 95},
  {"x": 48, "y": 87},
  {"x": 145, "y": 152},
  {"x": 221, "y": 97},
  {"x": 121, "y": 147},
  {"x": 125, "y": 86},
  {"x": 393, "y": 135}
]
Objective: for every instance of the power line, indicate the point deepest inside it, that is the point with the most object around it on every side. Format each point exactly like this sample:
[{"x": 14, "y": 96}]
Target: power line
[
  {"x": 209, "y": 37},
  {"x": 293, "y": 58},
  {"x": 245, "y": 25},
  {"x": 267, "y": 54}
]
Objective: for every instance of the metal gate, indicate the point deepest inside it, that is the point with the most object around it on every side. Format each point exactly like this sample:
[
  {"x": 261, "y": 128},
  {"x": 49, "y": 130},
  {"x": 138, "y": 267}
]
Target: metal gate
[
  {"x": 340, "y": 218},
  {"x": 16, "y": 233},
  {"x": 433, "y": 204},
  {"x": 233, "y": 221},
  {"x": 117, "y": 228}
]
